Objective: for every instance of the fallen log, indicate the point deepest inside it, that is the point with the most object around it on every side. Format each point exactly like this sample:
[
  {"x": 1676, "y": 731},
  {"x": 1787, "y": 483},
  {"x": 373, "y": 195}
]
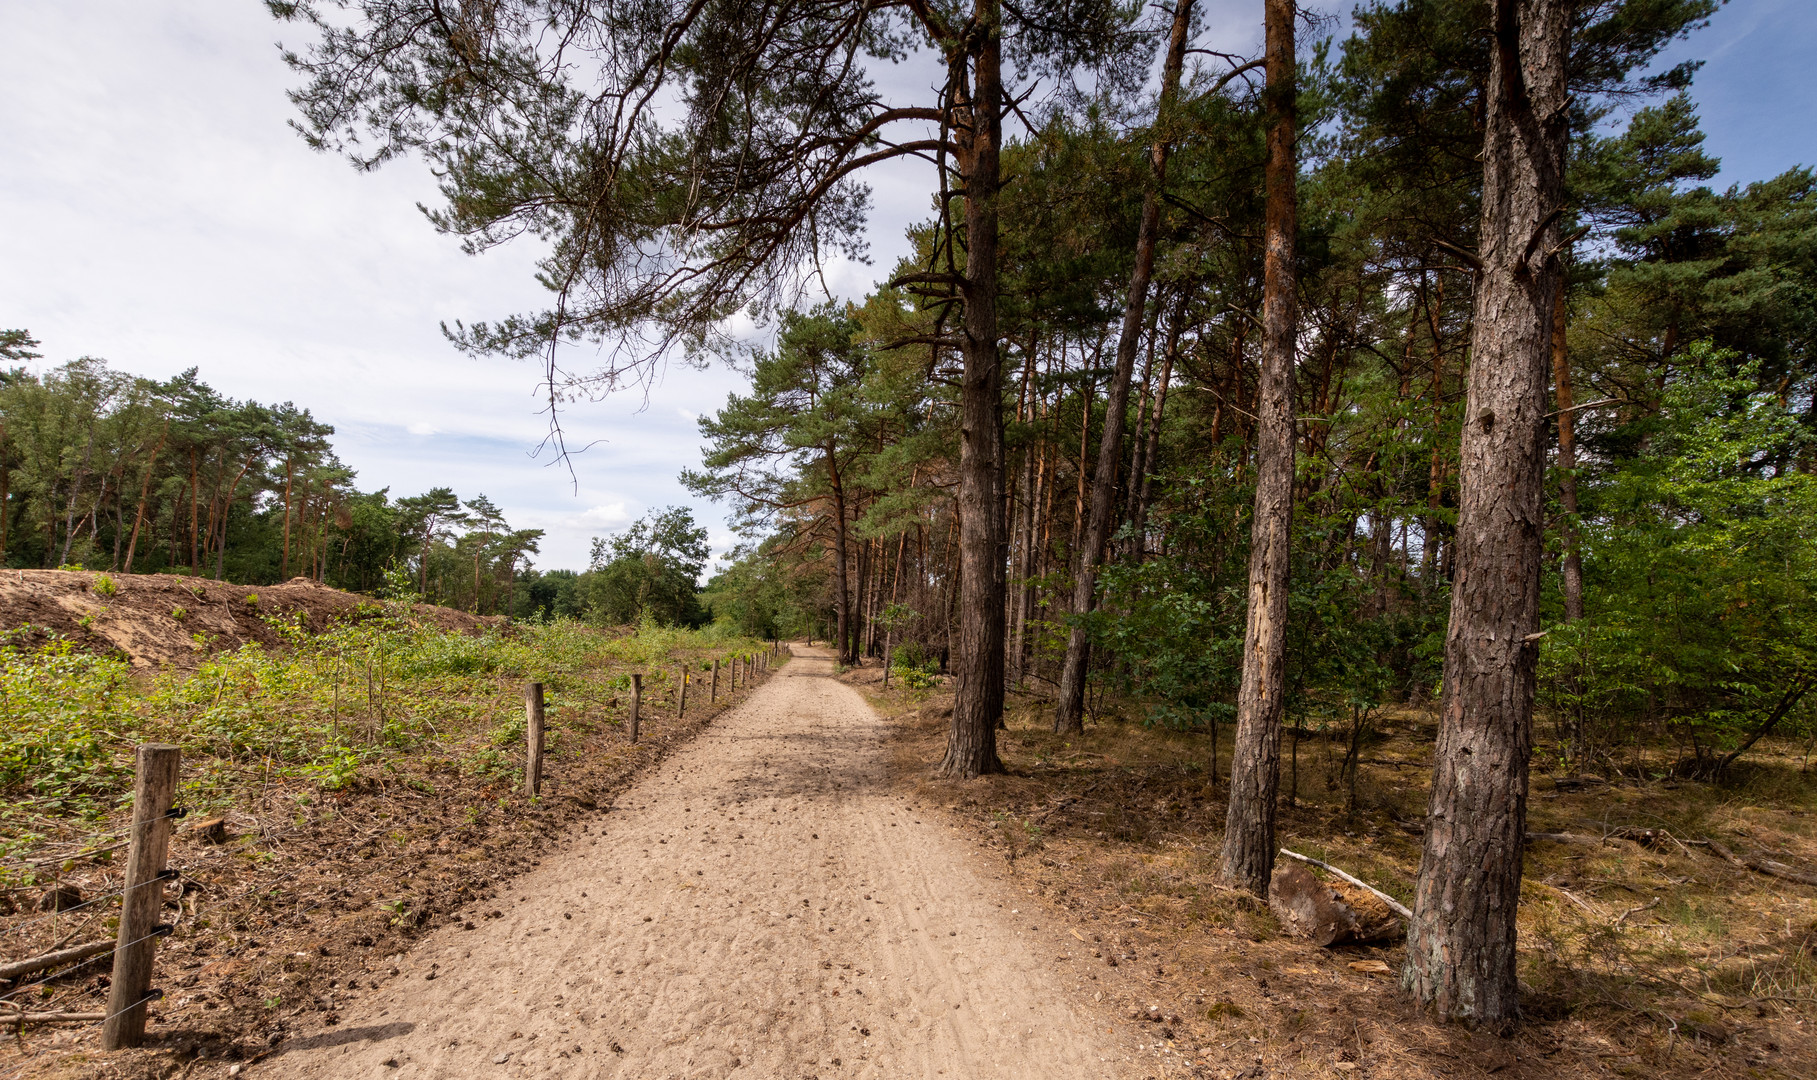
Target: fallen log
[
  {"x": 20, "y": 968},
  {"x": 1328, "y": 913},
  {"x": 1393, "y": 905},
  {"x": 1761, "y": 865}
]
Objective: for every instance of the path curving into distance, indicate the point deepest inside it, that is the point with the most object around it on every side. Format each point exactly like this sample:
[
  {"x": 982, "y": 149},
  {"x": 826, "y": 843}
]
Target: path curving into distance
[{"x": 764, "y": 904}]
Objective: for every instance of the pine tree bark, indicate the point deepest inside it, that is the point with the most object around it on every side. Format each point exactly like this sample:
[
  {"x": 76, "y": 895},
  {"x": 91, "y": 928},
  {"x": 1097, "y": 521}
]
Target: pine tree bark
[
  {"x": 1460, "y": 942},
  {"x": 1069, "y": 713},
  {"x": 1255, "y": 764},
  {"x": 971, "y": 748}
]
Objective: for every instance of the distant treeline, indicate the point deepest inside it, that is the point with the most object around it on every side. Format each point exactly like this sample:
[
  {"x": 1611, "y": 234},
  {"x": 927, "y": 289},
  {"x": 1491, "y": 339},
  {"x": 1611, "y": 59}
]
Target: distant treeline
[{"x": 106, "y": 470}]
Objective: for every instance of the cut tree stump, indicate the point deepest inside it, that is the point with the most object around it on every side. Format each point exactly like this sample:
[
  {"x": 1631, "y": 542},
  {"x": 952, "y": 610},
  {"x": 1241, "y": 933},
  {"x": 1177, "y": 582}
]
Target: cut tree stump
[{"x": 1328, "y": 913}]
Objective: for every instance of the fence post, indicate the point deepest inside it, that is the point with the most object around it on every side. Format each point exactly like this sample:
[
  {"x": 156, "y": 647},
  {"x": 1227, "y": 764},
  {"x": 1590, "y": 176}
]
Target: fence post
[
  {"x": 637, "y": 701},
  {"x": 886, "y": 659},
  {"x": 681, "y": 695},
  {"x": 154, "y": 790},
  {"x": 714, "y": 693},
  {"x": 533, "y": 738}
]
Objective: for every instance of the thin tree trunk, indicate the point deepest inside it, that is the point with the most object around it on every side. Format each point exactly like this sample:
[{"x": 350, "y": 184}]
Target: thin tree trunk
[
  {"x": 195, "y": 515},
  {"x": 1255, "y": 761},
  {"x": 289, "y": 481},
  {"x": 971, "y": 748},
  {"x": 6, "y": 506},
  {"x": 1138, "y": 443},
  {"x": 1567, "y": 463},
  {"x": 843, "y": 607},
  {"x": 1023, "y": 528},
  {"x": 1460, "y": 941},
  {"x": 860, "y": 597},
  {"x": 1069, "y": 712},
  {"x": 1145, "y": 495},
  {"x": 75, "y": 492},
  {"x": 1432, "y": 572},
  {"x": 1088, "y": 389},
  {"x": 226, "y": 512},
  {"x": 144, "y": 495}
]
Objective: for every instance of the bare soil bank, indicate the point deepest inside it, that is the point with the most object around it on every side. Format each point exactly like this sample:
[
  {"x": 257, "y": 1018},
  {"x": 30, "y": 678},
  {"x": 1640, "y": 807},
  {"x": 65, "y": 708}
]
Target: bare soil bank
[{"x": 159, "y": 620}]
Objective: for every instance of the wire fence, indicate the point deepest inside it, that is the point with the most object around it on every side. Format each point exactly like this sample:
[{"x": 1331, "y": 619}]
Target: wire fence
[{"x": 14, "y": 1003}]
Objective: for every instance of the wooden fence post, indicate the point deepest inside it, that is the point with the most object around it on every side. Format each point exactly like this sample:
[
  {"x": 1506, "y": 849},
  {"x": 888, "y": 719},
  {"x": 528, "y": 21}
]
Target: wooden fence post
[
  {"x": 714, "y": 693},
  {"x": 154, "y": 790},
  {"x": 886, "y": 659},
  {"x": 681, "y": 695},
  {"x": 637, "y": 701},
  {"x": 533, "y": 738}
]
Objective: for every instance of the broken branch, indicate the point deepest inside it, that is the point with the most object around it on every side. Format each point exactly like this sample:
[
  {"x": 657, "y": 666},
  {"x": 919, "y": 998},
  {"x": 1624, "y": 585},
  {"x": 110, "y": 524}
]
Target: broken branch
[{"x": 1393, "y": 905}]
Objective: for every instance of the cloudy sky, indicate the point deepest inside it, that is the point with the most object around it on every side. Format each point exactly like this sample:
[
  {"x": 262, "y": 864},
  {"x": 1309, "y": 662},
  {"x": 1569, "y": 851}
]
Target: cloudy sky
[{"x": 156, "y": 211}]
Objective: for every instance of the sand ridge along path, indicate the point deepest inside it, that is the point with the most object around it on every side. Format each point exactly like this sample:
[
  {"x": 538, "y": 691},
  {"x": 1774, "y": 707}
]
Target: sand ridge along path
[{"x": 762, "y": 905}]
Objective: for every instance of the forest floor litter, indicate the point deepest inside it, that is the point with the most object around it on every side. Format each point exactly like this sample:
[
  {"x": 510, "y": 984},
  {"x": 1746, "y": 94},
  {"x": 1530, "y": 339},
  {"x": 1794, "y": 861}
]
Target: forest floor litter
[{"x": 1641, "y": 956}]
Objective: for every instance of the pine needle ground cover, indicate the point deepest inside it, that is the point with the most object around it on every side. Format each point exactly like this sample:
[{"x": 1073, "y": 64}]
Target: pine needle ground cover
[
  {"x": 367, "y": 781},
  {"x": 1642, "y": 953}
]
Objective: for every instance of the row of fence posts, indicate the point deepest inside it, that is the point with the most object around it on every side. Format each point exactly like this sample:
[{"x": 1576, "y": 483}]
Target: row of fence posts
[
  {"x": 747, "y": 666},
  {"x": 155, "y": 811}
]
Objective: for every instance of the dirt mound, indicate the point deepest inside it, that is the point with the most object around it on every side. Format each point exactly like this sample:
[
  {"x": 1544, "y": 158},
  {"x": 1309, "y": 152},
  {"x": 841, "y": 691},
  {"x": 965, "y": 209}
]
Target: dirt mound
[{"x": 158, "y": 620}]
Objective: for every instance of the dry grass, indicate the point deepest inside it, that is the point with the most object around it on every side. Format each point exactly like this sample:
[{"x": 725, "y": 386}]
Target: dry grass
[{"x": 1640, "y": 959}]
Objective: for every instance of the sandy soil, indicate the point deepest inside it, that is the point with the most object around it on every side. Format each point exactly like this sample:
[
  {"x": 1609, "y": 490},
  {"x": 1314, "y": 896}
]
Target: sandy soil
[
  {"x": 153, "y": 619},
  {"x": 765, "y": 904}
]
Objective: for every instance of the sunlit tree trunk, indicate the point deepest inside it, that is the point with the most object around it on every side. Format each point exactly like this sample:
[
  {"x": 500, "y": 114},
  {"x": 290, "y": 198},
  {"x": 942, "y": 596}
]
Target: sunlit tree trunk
[
  {"x": 1461, "y": 940},
  {"x": 971, "y": 748},
  {"x": 1255, "y": 764}
]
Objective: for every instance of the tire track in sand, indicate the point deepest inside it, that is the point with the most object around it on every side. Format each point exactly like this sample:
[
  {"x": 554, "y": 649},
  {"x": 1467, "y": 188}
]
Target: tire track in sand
[{"x": 762, "y": 905}]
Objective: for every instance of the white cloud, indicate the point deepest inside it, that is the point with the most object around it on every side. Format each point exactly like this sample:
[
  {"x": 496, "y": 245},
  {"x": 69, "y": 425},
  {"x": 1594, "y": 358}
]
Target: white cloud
[
  {"x": 422, "y": 428},
  {"x": 611, "y": 515}
]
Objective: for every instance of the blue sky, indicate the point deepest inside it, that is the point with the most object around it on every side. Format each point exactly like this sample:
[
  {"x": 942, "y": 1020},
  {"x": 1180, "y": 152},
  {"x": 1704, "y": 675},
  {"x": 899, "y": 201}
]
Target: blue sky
[{"x": 156, "y": 211}]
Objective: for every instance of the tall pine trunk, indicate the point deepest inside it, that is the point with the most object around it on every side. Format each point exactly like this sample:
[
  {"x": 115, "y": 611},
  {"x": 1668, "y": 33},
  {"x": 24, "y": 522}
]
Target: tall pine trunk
[
  {"x": 1255, "y": 763},
  {"x": 1460, "y": 942},
  {"x": 971, "y": 748},
  {"x": 1069, "y": 715}
]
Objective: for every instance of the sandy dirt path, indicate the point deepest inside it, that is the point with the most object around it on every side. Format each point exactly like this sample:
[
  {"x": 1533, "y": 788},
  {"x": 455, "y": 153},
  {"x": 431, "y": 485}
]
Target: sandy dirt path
[{"x": 764, "y": 904}]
